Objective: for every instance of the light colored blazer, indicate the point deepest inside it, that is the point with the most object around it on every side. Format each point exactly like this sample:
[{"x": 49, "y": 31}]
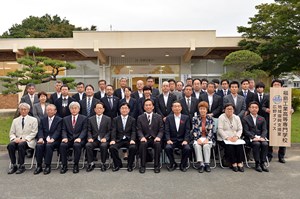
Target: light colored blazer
[
  {"x": 227, "y": 129},
  {"x": 28, "y": 132}
]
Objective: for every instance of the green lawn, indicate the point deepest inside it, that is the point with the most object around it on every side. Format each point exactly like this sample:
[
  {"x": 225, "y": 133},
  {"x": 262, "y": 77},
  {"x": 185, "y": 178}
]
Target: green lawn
[{"x": 5, "y": 123}]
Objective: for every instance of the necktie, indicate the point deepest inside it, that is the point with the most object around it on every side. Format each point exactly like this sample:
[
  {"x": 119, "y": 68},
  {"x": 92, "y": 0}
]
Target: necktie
[
  {"x": 110, "y": 102},
  {"x": 149, "y": 120},
  {"x": 122, "y": 93},
  {"x": 64, "y": 102},
  {"x": 73, "y": 122},
  {"x": 88, "y": 107},
  {"x": 189, "y": 104},
  {"x": 225, "y": 92},
  {"x": 260, "y": 98},
  {"x": 245, "y": 94},
  {"x": 124, "y": 123},
  {"x": 98, "y": 121},
  {"x": 31, "y": 99},
  {"x": 23, "y": 122},
  {"x": 50, "y": 122}
]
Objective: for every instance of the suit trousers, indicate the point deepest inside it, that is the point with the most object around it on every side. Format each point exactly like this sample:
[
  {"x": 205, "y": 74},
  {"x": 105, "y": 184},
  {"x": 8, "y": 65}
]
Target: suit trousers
[
  {"x": 202, "y": 151},
  {"x": 234, "y": 153},
  {"x": 143, "y": 151},
  {"x": 63, "y": 149},
  {"x": 21, "y": 148},
  {"x": 260, "y": 151},
  {"x": 90, "y": 146},
  {"x": 186, "y": 150},
  {"x": 114, "y": 150},
  {"x": 281, "y": 151},
  {"x": 45, "y": 151}
]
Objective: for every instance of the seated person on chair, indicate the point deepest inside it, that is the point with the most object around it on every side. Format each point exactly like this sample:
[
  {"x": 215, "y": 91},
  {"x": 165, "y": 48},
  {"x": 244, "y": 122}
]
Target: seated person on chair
[
  {"x": 150, "y": 129},
  {"x": 229, "y": 131},
  {"x": 99, "y": 128},
  {"x": 123, "y": 134},
  {"x": 177, "y": 132},
  {"x": 74, "y": 132},
  {"x": 22, "y": 136},
  {"x": 203, "y": 137},
  {"x": 48, "y": 139},
  {"x": 255, "y": 130}
]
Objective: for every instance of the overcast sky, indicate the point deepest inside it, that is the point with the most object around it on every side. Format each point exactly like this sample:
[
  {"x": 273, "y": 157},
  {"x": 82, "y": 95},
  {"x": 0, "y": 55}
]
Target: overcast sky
[{"x": 220, "y": 15}]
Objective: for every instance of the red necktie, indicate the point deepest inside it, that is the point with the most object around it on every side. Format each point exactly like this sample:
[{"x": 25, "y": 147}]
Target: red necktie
[{"x": 73, "y": 122}]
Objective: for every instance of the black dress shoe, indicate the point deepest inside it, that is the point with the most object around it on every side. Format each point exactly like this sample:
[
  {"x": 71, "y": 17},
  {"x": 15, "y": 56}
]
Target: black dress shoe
[
  {"x": 207, "y": 168},
  {"x": 38, "y": 170},
  {"x": 103, "y": 167},
  {"x": 12, "y": 170},
  {"x": 172, "y": 167},
  {"x": 281, "y": 160},
  {"x": 258, "y": 168},
  {"x": 270, "y": 158},
  {"x": 117, "y": 168},
  {"x": 201, "y": 169},
  {"x": 142, "y": 169},
  {"x": 264, "y": 168},
  {"x": 183, "y": 169},
  {"x": 129, "y": 169},
  {"x": 90, "y": 167},
  {"x": 21, "y": 169},
  {"x": 234, "y": 168},
  {"x": 29, "y": 153},
  {"x": 241, "y": 169},
  {"x": 64, "y": 169},
  {"x": 156, "y": 170},
  {"x": 47, "y": 170},
  {"x": 75, "y": 168}
]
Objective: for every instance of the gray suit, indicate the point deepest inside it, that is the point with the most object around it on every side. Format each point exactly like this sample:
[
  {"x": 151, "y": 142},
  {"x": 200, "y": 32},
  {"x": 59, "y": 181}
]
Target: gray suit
[
  {"x": 27, "y": 100},
  {"x": 240, "y": 106},
  {"x": 38, "y": 111}
]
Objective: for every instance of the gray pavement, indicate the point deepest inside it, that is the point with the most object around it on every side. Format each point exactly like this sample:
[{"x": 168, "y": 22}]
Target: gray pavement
[{"x": 283, "y": 181}]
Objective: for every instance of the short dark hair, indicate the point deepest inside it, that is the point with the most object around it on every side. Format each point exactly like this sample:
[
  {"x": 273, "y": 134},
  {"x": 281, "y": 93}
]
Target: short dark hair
[
  {"x": 89, "y": 85},
  {"x": 260, "y": 85},
  {"x": 234, "y": 82},
  {"x": 30, "y": 85},
  {"x": 204, "y": 80},
  {"x": 128, "y": 88},
  {"x": 65, "y": 85},
  {"x": 147, "y": 88},
  {"x": 197, "y": 79},
  {"x": 180, "y": 82},
  {"x": 146, "y": 100},
  {"x": 189, "y": 78},
  {"x": 225, "y": 80},
  {"x": 80, "y": 83},
  {"x": 42, "y": 93},
  {"x": 99, "y": 102},
  {"x": 216, "y": 81},
  {"x": 102, "y": 80},
  {"x": 244, "y": 80},
  {"x": 253, "y": 102},
  {"x": 212, "y": 83},
  {"x": 124, "y": 104},
  {"x": 149, "y": 77},
  {"x": 229, "y": 104},
  {"x": 109, "y": 85},
  {"x": 172, "y": 80},
  {"x": 188, "y": 86},
  {"x": 176, "y": 101},
  {"x": 278, "y": 81}
]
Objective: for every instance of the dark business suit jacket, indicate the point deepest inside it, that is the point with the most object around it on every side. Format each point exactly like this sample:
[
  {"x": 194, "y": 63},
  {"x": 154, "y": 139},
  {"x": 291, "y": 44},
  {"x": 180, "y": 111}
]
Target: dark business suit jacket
[
  {"x": 54, "y": 131},
  {"x": 217, "y": 105},
  {"x": 118, "y": 93},
  {"x": 83, "y": 106},
  {"x": 250, "y": 130},
  {"x": 160, "y": 106},
  {"x": 118, "y": 133},
  {"x": 250, "y": 97},
  {"x": 265, "y": 96},
  {"x": 155, "y": 129},
  {"x": 135, "y": 95},
  {"x": 79, "y": 131},
  {"x": 183, "y": 133},
  {"x": 53, "y": 98},
  {"x": 103, "y": 132},
  {"x": 194, "y": 95},
  {"x": 155, "y": 92},
  {"x": 240, "y": 106},
  {"x": 111, "y": 112},
  {"x": 193, "y": 110},
  {"x": 27, "y": 100},
  {"x": 77, "y": 98},
  {"x": 140, "y": 106},
  {"x": 98, "y": 95},
  {"x": 221, "y": 93},
  {"x": 133, "y": 106},
  {"x": 58, "y": 104}
]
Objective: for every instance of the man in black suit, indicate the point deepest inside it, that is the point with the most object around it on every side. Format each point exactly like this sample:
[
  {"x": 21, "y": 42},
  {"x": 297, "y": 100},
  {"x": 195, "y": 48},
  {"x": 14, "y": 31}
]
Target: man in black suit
[
  {"x": 99, "y": 129},
  {"x": 225, "y": 88},
  {"x": 214, "y": 101},
  {"x": 177, "y": 131},
  {"x": 197, "y": 88},
  {"x": 217, "y": 83},
  {"x": 111, "y": 103},
  {"x": 255, "y": 130},
  {"x": 147, "y": 95},
  {"x": 163, "y": 103},
  {"x": 101, "y": 93},
  {"x": 204, "y": 83},
  {"x": 31, "y": 98},
  {"x": 123, "y": 135},
  {"x": 150, "y": 82},
  {"x": 62, "y": 103},
  {"x": 248, "y": 95},
  {"x": 74, "y": 131},
  {"x": 150, "y": 129},
  {"x": 188, "y": 103},
  {"x": 48, "y": 139},
  {"x": 88, "y": 103},
  {"x": 80, "y": 95},
  {"x": 139, "y": 93},
  {"x": 119, "y": 92},
  {"x": 261, "y": 97},
  {"x": 57, "y": 94}
]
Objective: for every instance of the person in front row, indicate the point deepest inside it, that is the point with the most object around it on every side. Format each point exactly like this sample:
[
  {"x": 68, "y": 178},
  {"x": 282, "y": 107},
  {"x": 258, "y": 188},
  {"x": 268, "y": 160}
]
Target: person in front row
[
  {"x": 22, "y": 136},
  {"x": 203, "y": 137},
  {"x": 99, "y": 127},
  {"x": 74, "y": 132},
  {"x": 150, "y": 129},
  {"x": 177, "y": 132},
  {"x": 255, "y": 130},
  {"x": 48, "y": 139},
  {"x": 123, "y": 134},
  {"x": 229, "y": 131}
]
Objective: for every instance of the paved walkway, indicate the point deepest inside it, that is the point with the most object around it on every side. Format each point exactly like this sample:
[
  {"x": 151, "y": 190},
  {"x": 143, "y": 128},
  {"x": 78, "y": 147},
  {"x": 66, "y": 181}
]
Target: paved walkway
[{"x": 282, "y": 181}]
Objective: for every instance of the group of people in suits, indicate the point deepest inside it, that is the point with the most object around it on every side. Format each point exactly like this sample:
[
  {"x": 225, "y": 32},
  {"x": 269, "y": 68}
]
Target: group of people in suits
[{"x": 144, "y": 122}]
